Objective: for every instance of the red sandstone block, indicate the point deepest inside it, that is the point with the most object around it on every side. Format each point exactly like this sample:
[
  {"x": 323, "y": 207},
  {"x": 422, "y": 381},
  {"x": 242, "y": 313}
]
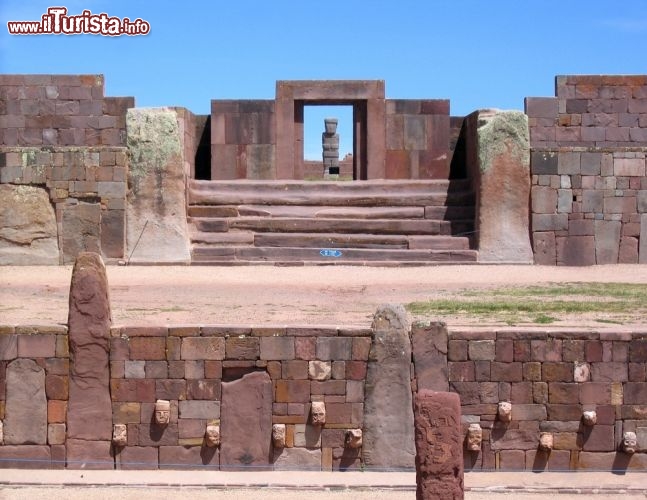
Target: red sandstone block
[
  {"x": 277, "y": 348},
  {"x": 593, "y": 351},
  {"x": 305, "y": 348},
  {"x": 573, "y": 350},
  {"x": 339, "y": 413},
  {"x": 335, "y": 387},
  {"x": 356, "y": 370},
  {"x": 532, "y": 371},
  {"x": 504, "y": 351},
  {"x": 242, "y": 348},
  {"x": 56, "y": 411},
  {"x": 457, "y": 350},
  {"x": 57, "y": 386},
  {"x": 468, "y": 392},
  {"x": 189, "y": 457},
  {"x": 635, "y": 393},
  {"x": 36, "y": 346},
  {"x": 521, "y": 350},
  {"x": 292, "y": 391},
  {"x": 598, "y": 438},
  {"x": 563, "y": 393},
  {"x": 25, "y": 457},
  {"x": 171, "y": 389},
  {"x": 156, "y": 435},
  {"x": 461, "y": 371},
  {"x": 557, "y": 372},
  {"x": 213, "y": 369},
  {"x": 207, "y": 348},
  {"x": 173, "y": 348},
  {"x": 119, "y": 350},
  {"x": 361, "y": 348},
  {"x": 312, "y": 331},
  {"x": 506, "y": 372},
  {"x": 595, "y": 393},
  {"x": 521, "y": 393},
  {"x": 294, "y": 370},
  {"x": 147, "y": 348},
  {"x": 203, "y": 389},
  {"x": 637, "y": 372},
  {"x": 145, "y": 331},
  {"x": 137, "y": 458}
]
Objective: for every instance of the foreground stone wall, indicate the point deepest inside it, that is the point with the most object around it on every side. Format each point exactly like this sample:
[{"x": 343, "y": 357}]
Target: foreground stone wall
[{"x": 589, "y": 190}]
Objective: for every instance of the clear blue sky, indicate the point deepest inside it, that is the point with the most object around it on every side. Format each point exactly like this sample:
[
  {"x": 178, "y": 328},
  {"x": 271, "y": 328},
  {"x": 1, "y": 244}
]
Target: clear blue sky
[{"x": 477, "y": 53}]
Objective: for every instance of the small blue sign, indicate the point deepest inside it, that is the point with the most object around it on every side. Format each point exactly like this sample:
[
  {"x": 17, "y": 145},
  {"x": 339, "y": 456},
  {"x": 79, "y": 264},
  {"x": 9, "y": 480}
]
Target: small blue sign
[{"x": 327, "y": 252}]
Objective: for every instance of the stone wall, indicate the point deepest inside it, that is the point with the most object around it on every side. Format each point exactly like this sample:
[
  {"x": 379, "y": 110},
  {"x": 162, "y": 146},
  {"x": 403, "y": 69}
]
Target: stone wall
[
  {"x": 59, "y": 133},
  {"x": 589, "y": 190}
]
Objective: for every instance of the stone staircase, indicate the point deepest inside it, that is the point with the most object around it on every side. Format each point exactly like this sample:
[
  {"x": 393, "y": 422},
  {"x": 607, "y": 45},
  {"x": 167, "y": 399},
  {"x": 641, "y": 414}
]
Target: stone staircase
[{"x": 358, "y": 223}]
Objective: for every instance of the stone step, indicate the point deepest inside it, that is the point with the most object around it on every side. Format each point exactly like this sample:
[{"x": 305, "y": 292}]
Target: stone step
[
  {"x": 329, "y": 240},
  {"x": 218, "y": 255},
  {"x": 311, "y": 211},
  {"x": 345, "y": 194},
  {"x": 321, "y": 225}
]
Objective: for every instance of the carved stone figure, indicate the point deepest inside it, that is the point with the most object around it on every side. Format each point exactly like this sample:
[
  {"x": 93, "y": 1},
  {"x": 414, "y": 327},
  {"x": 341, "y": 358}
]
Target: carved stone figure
[
  {"x": 474, "y": 437},
  {"x": 120, "y": 435},
  {"x": 162, "y": 411},
  {"x": 278, "y": 435},
  {"x": 318, "y": 413},
  {"x": 629, "y": 442},
  {"x": 212, "y": 436},
  {"x": 505, "y": 411},
  {"x": 353, "y": 438},
  {"x": 330, "y": 145},
  {"x": 546, "y": 441},
  {"x": 1, "y": 433},
  {"x": 590, "y": 418}
]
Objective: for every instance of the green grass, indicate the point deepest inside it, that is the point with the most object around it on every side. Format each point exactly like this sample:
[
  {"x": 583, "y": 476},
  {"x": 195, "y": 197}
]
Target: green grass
[{"x": 542, "y": 304}]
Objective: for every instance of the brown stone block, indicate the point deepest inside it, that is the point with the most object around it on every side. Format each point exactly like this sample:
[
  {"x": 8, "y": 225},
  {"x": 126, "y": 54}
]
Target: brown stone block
[
  {"x": 398, "y": 164},
  {"x": 356, "y": 370},
  {"x": 56, "y": 411},
  {"x": 593, "y": 351},
  {"x": 506, "y": 372},
  {"x": 334, "y": 387},
  {"x": 213, "y": 369},
  {"x": 189, "y": 457},
  {"x": 171, "y": 389},
  {"x": 557, "y": 372},
  {"x": 203, "y": 389},
  {"x": 564, "y": 411},
  {"x": 637, "y": 372},
  {"x": 595, "y": 393},
  {"x": 563, "y": 393},
  {"x": 25, "y": 457},
  {"x": 292, "y": 391},
  {"x": 637, "y": 350},
  {"x": 277, "y": 348},
  {"x": 156, "y": 435},
  {"x": 334, "y": 348},
  {"x": 137, "y": 458},
  {"x": 635, "y": 393},
  {"x": 521, "y": 393},
  {"x": 457, "y": 350},
  {"x": 126, "y": 413},
  {"x": 95, "y": 455},
  {"x": 339, "y": 413},
  {"x": 119, "y": 350},
  {"x": 361, "y": 348},
  {"x": 147, "y": 348},
  {"x": 57, "y": 387},
  {"x": 242, "y": 348},
  {"x": 304, "y": 348},
  {"x": 461, "y": 371},
  {"x": 203, "y": 348},
  {"x": 468, "y": 391},
  {"x": 597, "y": 438},
  {"x": 36, "y": 346},
  {"x": 295, "y": 370}
]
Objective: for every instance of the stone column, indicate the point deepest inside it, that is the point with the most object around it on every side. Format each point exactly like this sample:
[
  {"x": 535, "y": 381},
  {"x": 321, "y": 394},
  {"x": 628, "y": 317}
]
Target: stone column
[
  {"x": 439, "y": 445},
  {"x": 388, "y": 414},
  {"x": 89, "y": 415},
  {"x": 330, "y": 146}
]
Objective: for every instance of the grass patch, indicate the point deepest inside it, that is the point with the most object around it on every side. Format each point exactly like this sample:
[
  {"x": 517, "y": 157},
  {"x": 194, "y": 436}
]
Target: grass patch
[{"x": 541, "y": 304}]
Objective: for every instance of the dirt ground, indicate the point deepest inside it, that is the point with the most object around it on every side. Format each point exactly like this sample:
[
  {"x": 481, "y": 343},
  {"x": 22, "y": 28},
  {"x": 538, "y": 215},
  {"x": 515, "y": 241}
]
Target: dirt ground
[{"x": 259, "y": 295}]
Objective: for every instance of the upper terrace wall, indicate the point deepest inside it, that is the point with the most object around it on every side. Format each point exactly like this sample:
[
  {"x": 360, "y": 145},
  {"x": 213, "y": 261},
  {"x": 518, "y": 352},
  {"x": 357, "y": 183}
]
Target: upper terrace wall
[{"x": 589, "y": 190}]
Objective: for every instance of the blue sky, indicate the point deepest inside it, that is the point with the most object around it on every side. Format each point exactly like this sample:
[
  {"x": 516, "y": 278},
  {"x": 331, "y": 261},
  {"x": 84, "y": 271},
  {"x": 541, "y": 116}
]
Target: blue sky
[{"x": 476, "y": 53}]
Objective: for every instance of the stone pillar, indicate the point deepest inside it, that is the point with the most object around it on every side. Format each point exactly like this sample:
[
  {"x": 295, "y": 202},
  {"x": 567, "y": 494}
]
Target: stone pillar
[
  {"x": 89, "y": 415},
  {"x": 501, "y": 179},
  {"x": 330, "y": 146},
  {"x": 439, "y": 445},
  {"x": 388, "y": 414},
  {"x": 429, "y": 345}
]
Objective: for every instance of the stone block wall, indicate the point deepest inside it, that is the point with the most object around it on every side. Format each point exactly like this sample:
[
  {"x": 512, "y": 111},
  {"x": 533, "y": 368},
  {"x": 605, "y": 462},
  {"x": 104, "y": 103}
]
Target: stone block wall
[
  {"x": 243, "y": 139},
  {"x": 551, "y": 378},
  {"x": 417, "y": 139},
  {"x": 61, "y": 134},
  {"x": 589, "y": 190}
]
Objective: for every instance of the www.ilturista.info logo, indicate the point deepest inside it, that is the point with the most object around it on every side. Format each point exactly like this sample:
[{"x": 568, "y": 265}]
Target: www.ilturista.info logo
[{"x": 57, "y": 22}]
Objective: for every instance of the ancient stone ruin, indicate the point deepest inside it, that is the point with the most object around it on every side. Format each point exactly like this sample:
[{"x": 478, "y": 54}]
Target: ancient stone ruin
[
  {"x": 330, "y": 146},
  {"x": 562, "y": 183}
]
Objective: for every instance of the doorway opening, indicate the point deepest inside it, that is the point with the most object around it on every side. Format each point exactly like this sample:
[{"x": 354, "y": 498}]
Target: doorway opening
[{"x": 328, "y": 156}]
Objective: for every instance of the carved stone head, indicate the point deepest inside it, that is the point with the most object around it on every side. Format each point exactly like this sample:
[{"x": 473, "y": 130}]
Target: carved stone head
[
  {"x": 212, "y": 436},
  {"x": 505, "y": 411},
  {"x": 278, "y": 435},
  {"x": 162, "y": 411},
  {"x": 331, "y": 125},
  {"x": 589, "y": 418},
  {"x": 629, "y": 442},
  {"x": 474, "y": 437},
  {"x": 120, "y": 434},
  {"x": 546, "y": 441},
  {"x": 318, "y": 413},
  {"x": 353, "y": 438}
]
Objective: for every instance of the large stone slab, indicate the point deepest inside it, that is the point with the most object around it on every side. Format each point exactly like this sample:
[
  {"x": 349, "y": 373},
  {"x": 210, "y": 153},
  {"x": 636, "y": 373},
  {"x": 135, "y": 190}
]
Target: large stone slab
[
  {"x": 26, "y": 405},
  {"x": 246, "y": 423},
  {"x": 388, "y": 414},
  {"x": 156, "y": 228},
  {"x": 439, "y": 445},
  {"x": 25, "y": 457},
  {"x": 89, "y": 406},
  {"x": 503, "y": 189},
  {"x": 429, "y": 345},
  {"x": 81, "y": 230},
  {"x": 96, "y": 455},
  {"x": 28, "y": 234},
  {"x": 297, "y": 459}
]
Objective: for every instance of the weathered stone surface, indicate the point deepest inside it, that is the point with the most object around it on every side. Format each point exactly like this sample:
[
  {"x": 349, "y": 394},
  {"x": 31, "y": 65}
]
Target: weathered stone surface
[
  {"x": 28, "y": 234},
  {"x": 439, "y": 445},
  {"x": 188, "y": 457},
  {"x": 504, "y": 188},
  {"x": 25, "y": 457},
  {"x": 246, "y": 422},
  {"x": 607, "y": 241},
  {"x": 26, "y": 404},
  {"x": 156, "y": 208},
  {"x": 81, "y": 230},
  {"x": 388, "y": 414},
  {"x": 429, "y": 345},
  {"x": 297, "y": 459},
  {"x": 89, "y": 406},
  {"x": 83, "y": 454}
]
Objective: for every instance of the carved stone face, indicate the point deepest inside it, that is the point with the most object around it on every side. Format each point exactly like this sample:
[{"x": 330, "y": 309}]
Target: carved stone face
[
  {"x": 212, "y": 436},
  {"x": 162, "y": 412},
  {"x": 590, "y": 418},
  {"x": 318, "y": 413},
  {"x": 629, "y": 442},
  {"x": 278, "y": 435},
  {"x": 353, "y": 438},
  {"x": 331, "y": 125},
  {"x": 120, "y": 435},
  {"x": 546, "y": 441},
  {"x": 474, "y": 437},
  {"x": 505, "y": 411}
]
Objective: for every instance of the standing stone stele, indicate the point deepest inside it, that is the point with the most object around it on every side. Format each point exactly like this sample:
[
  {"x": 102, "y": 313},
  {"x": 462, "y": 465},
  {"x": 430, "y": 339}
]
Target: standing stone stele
[
  {"x": 89, "y": 416},
  {"x": 26, "y": 404},
  {"x": 330, "y": 146},
  {"x": 388, "y": 415},
  {"x": 439, "y": 445}
]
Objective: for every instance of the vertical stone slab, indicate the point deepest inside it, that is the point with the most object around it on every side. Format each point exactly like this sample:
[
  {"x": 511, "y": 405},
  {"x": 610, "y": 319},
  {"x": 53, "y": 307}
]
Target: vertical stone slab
[
  {"x": 439, "y": 445},
  {"x": 89, "y": 416},
  {"x": 429, "y": 346},
  {"x": 246, "y": 423},
  {"x": 26, "y": 405},
  {"x": 642, "y": 245},
  {"x": 502, "y": 183},
  {"x": 156, "y": 188},
  {"x": 388, "y": 414},
  {"x": 607, "y": 241}
]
